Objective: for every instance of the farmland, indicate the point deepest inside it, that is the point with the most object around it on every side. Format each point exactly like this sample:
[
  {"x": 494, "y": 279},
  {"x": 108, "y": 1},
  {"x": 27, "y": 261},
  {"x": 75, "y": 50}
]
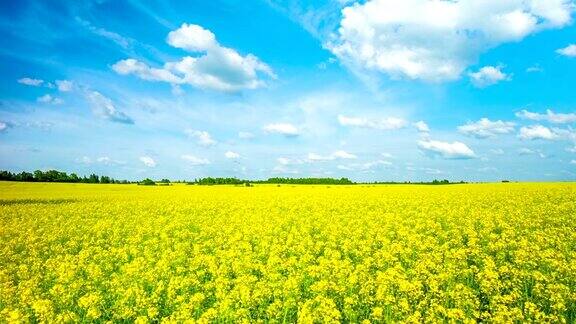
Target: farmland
[{"x": 470, "y": 252}]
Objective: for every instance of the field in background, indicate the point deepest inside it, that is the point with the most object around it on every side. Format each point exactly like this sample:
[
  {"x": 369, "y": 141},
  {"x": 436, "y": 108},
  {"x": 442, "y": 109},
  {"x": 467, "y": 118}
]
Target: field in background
[{"x": 494, "y": 252}]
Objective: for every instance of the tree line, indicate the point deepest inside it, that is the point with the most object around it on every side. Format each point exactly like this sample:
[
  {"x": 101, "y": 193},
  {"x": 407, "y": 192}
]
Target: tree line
[
  {"x": 209, "y": 181},
  {"x": 56, "y": 176},
  {"x": 59, "y": 176}
]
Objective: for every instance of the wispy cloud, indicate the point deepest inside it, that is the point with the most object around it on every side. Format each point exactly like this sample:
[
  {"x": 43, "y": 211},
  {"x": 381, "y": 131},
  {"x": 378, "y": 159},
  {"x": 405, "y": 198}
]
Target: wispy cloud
[{"x": 105, "y": 108}]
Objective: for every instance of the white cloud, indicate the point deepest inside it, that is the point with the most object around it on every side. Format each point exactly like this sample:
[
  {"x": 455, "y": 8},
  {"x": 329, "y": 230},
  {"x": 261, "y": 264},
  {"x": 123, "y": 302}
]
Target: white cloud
[
  {"x": 104, "y": 160},
  {"x": 437, "y": 40},
  {"x": 282, "y": 128},
  {"x": 217, "y": 68},
  {"x": 116, "y": 38},
  {"x": 484, "y": 128},
  {"x": 569, "y": 50},
  {"x": 343, "y": 155},
  {"x": 337, "y": 155},
  {"x": 108, "y": 161},
  {"x": 422, "y": 127},
  {"x": 455, "y": 150},
  {"x": 488, "y": 75},
  {"x": 84, "y": 160},
  {"x": 3, "y": 126},
  {"x": 193, "y": 38},
  {"x": 104, "y": 108},
  {"x": 50, "y": 100},
  {"x": 232, "y": 155},
  {"x": 193, "y": 160},
  {"x": 573, "y": 162},
  {"x": 527, "y": 151},
  {"x": 143, "y": 71},
  {"x": 389, "y": 123},
  {"x": 536, "y": 132},
  {"x": 31, "y": 82},
  {"x": 566, "y": 134},
  {"x": 64, "y": 85},
  {"x": 549, "y": 116},
  {"x": 497, "y": 151},
  {"x": 204, "y": 138},
  {"x": 245, "y": 135},
  {"x": 148, "y": 161},
  {"x": 571, "y": 149},
  {"x": 283, "y": 160},
  {"x": 345, "y": 168},
  {"x": 426, "y": 170},
  {"x": 313, "y": 157},
  {"x": 365, "y": 166}
]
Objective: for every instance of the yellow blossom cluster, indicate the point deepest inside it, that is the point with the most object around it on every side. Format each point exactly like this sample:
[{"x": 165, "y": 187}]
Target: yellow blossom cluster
[{"x": 309, "y": 254}]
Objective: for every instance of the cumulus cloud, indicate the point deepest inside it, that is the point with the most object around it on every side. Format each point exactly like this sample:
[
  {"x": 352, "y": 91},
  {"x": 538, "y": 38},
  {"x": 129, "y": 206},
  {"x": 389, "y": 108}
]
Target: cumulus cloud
[
  {"x": 549, "y": 116},
  {"x": 103, "y": 107},
  {"x": 64, "y": 85},
  {"x": 232, "y": 155},
  {"x": 148, "y": 161},
  {"x": 437, "y": 40},
  {"x": 488, "y": 75},
  {"x": 3, "y": 126},
  {"x": 536, "y": 132},
  {"x": 455, "y": 150},
  {"x": 215, "y": 67},
  {"x": 389, "y": 123},
  {"x": 193, "y": 38},
  {"x": 48, "y": 99},
  {"x": 337, "y": 155},
  {"x": 285, "y": 129},
  {"x": 484, "y": 128},
  {"x": 31, "y": 82},
  {"x": 569, "y": 50},
  {"x": 422, "y": 127},
  {"x": 204, "y": 138},
  {"x": 193, "y": 160}
]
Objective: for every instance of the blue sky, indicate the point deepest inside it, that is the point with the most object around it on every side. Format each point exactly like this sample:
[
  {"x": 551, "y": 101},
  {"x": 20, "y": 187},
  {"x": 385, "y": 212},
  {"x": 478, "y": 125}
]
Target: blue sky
[{"x": 371, "y": 90}]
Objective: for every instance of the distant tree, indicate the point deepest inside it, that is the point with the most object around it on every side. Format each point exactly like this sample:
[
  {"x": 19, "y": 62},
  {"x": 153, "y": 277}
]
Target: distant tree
[
  {"x": 73, "y": 177},
  {"x": 93, "y": 179},
  {"x": 6, "y": 176},
  {"x": 147, "y": 182},
  {"x": 39, "y": 176},
  {"x": 24, "y": 176},
  {"x": 164, "y": 181}
]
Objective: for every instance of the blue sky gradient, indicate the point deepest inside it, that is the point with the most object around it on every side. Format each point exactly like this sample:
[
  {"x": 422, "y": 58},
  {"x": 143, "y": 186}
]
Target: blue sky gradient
[{"x": 186, "y": 89}]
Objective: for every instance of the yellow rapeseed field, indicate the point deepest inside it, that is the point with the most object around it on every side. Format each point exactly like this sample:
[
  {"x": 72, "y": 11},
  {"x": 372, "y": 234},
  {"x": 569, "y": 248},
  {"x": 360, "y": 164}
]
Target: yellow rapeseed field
[{"x": 403, "y": 253}]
